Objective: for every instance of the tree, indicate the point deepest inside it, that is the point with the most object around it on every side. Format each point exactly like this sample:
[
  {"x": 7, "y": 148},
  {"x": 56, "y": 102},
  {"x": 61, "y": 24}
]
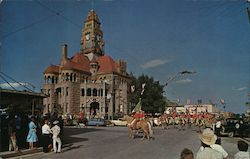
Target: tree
[{"x": 152, "y": 98}]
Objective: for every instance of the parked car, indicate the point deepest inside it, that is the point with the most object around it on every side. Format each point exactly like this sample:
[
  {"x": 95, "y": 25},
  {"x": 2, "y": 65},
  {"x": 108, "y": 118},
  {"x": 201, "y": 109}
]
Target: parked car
[
  {"x": 119, "y": 122},
  {"x": 235, "y": 126},
  {"x": 96, "y": 122}
]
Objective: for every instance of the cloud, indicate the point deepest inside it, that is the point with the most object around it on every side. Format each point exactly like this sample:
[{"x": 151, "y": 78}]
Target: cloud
[
  {"x": 154, "y": 63},
  {"x": 239, "y": 89},
  {"x": 13, "y": 84},
  {"x": 184, "y": 81}
]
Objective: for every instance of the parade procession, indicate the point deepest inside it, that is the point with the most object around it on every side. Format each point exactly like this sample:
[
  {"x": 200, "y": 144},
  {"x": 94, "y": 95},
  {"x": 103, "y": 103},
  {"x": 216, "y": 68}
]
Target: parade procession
[{"x": 137, "y": 79}]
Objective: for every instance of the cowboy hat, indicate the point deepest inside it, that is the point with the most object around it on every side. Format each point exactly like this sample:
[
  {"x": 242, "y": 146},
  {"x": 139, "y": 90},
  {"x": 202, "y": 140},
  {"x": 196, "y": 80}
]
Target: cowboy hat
[
  {"x": 208, "y": 137},
  {"x": 56, "y": 122}
]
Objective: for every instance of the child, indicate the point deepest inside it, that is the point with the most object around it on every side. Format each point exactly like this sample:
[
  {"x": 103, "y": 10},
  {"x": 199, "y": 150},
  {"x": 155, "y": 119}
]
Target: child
[
  {"x": 187, "y": 154},
  {"x": 243, "y": 153}
]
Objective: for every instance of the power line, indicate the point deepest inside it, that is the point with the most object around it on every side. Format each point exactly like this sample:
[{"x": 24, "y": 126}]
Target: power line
[
  {"x": 14, "y": 81},
  {"x": 26, "y": 27},
  {"x": 58, "y": 13},
  {"x": 40, "y": 20}
]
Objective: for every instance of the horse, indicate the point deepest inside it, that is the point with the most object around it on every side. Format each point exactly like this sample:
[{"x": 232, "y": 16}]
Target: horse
[{"x": 136, "y": 124}]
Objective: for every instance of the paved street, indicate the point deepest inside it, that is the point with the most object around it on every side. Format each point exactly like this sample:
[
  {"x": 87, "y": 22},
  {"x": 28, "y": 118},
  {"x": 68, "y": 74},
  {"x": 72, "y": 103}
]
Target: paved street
[{"x": 113, "y": 143}]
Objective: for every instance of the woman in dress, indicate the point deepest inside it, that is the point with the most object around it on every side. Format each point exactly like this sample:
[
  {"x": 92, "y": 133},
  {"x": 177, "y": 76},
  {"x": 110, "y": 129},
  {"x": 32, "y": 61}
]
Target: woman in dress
[{"x": 32, "y": 137}]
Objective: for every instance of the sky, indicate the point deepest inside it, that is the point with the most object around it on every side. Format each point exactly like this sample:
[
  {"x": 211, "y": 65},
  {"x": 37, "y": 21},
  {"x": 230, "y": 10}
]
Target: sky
[{"x": 158, "y": 38}]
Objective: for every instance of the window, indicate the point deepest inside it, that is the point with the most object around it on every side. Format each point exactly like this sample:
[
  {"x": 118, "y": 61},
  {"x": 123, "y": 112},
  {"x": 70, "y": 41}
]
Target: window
[
  {"x": 88, "y": 92},
  {"x": 83, "y": 92},
  {"x": 94, "y": 92}
]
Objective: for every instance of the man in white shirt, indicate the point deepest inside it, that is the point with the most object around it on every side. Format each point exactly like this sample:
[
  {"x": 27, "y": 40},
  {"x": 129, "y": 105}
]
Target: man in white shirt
[
  {"x": 46, "y": 136},
  {"x": 206, "y": 152},
  {"x": 217, "y": 146},
  {"x": 56, "y": 139}
]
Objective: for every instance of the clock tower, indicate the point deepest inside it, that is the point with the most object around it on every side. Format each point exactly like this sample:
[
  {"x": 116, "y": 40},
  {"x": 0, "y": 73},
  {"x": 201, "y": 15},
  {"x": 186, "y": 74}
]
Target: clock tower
[{"x": 92, "y": 43}]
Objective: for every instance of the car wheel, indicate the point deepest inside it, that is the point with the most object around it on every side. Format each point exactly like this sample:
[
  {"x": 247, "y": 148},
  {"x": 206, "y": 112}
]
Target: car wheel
[{"x": 231, "y": 134}]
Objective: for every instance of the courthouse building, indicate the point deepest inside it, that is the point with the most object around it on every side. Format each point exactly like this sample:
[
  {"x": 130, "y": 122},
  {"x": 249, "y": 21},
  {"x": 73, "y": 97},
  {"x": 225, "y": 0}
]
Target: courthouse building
[{"x": 89, "y": 81}]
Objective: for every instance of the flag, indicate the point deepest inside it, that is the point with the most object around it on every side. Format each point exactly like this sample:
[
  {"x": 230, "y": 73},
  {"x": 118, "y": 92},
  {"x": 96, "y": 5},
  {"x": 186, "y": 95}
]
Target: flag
[
  {"x": 137, "y": 107},
  {"x": 142, "y": 91},
  {"x": 132, "y": 88}
]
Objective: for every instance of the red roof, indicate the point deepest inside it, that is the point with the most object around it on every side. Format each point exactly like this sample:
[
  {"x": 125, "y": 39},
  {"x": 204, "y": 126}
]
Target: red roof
[
  {"x": 81, "y": 62},
  {"x": 78, "y": 62},
  {"x": 107, "y": 65},
  {"x": 52, "y": 69}
]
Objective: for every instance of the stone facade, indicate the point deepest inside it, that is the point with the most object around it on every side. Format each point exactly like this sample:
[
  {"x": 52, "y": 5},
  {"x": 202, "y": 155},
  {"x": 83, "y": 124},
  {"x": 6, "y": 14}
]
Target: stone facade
[{"x": 90, "y": 80}]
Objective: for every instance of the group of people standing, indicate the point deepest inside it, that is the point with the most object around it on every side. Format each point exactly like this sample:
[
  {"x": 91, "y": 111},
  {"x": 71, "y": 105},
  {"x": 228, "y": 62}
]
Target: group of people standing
[{"x": 44, "y": 131}]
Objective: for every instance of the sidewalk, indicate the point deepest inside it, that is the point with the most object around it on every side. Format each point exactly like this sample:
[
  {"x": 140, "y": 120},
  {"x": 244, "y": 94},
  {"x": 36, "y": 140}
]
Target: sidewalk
[
  {"x": 9, "y": 154},
  {"x": 39, "y": 151}
]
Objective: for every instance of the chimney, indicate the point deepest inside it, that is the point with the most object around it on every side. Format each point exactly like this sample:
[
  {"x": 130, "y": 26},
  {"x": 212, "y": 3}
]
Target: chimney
[{"x": 64, "y": 54}]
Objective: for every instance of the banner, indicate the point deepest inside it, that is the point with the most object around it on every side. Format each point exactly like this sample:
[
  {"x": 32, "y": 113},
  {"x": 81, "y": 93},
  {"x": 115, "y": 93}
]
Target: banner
[{"x": 137, "y": 107}]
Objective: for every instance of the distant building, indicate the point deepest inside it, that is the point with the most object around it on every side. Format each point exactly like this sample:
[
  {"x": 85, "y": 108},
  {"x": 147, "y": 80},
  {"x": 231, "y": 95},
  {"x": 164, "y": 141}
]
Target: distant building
[
  {"x": 201, "y": 108},
  {"x": 192, "y": 108},
  {"x": 89, "y": 81}
]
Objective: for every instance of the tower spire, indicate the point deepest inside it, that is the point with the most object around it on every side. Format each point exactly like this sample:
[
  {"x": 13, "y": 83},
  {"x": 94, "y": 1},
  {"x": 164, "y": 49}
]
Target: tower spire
[{"x": 92, "y": 35}]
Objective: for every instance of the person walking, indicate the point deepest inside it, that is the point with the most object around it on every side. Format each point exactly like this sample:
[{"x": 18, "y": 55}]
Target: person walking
[
  {"x": 46, "y": 140},
  {"x": 56, "y": 138},
  {"x": 32, "y": 137}
]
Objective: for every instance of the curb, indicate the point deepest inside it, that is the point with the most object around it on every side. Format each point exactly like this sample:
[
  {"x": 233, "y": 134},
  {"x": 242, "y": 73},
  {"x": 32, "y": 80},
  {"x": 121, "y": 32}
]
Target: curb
[{"x": 10, "y": 154}]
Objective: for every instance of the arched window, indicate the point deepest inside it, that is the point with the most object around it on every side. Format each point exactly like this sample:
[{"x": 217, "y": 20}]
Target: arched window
[
  {"x": 88, "y": 92},
  {"x": 100, "y": 92},
  {"x": 53, "y": 80},
  {"x": 71, "y": 77},
  {"x": 94, "y": 92},
  {"x": 74, "y": 77},
  {"x": 83, "y": 92}
]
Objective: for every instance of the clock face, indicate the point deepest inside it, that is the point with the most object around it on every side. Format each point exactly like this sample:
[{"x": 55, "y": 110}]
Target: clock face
[{"x": 87, "y": 36}]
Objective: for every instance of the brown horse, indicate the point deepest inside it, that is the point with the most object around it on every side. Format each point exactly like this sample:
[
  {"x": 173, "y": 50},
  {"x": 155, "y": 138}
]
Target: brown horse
[{"x": 136, "y": 125}]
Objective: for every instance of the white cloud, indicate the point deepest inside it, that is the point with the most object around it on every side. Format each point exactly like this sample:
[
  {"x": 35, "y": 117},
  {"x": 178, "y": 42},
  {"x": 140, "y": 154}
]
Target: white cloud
[
  {"x": 239, "y": 89},
  {"x": 184, "y": 81},
  {"x": 154, "y": 63},
  {"x": 13, "y": 84}
]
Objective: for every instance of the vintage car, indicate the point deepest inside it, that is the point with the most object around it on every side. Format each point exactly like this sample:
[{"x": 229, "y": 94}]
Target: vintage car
[
  {"x": 96, "y": 122},
  {"x": 119, "y": 122},
  {"x": 235, "y": 127}
]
